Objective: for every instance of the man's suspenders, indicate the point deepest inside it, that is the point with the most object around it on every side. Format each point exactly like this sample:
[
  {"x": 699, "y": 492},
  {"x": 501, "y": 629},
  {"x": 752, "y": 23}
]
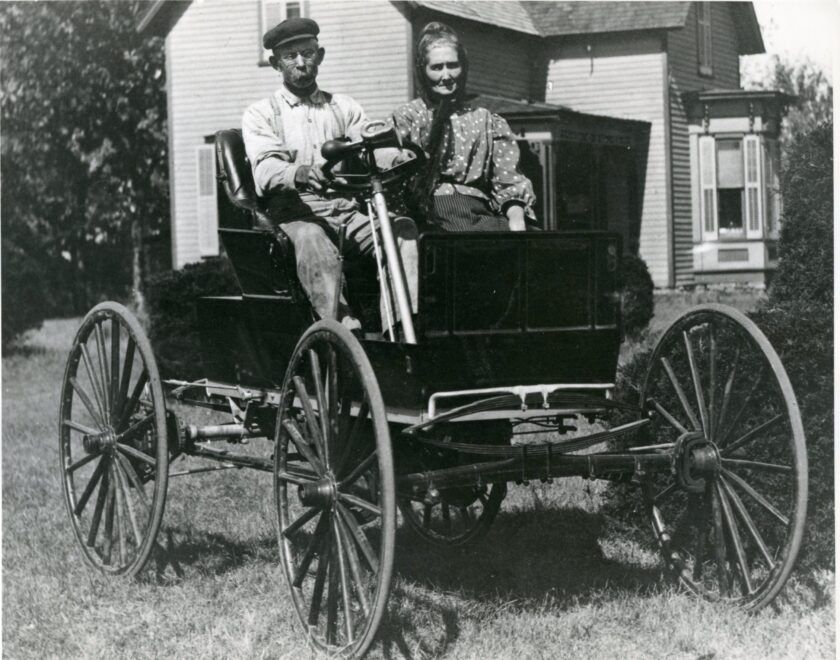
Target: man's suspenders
[{"x": 331, "y": 103}]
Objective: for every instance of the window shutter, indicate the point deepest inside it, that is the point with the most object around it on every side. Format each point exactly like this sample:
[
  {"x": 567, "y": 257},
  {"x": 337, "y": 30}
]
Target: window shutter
[
  {"x": 752, "y": 186},
  {"x": 772, "y": 200},
  {"x": 708, "y": 188},
  {"x": 207, "y": 210},
  {"x": 704, "y": 37}
]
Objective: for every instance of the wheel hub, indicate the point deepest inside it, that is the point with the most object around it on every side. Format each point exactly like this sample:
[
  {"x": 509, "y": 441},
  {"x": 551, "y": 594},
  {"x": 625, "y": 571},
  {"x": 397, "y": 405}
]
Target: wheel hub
[
  {"x": 99, "y": 442},
  {"x": 320, "y": 493},
  {"x": 695, "y": 461}
]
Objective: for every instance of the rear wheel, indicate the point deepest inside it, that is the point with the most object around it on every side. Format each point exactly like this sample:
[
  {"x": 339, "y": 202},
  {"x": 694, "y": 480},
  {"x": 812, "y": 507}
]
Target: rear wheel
[
  {"x": 730, "y": 515},
  {"x": 334, "y": 490},
  {"x": 113, "y": 442}
]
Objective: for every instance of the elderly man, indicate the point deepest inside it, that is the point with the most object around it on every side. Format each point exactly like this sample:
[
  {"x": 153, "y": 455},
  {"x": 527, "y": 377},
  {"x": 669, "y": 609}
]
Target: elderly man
[{"x": 283, "y": 135}]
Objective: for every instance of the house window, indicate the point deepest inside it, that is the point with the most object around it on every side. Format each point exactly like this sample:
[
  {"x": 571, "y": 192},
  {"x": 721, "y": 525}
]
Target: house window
[
  {"x": 704, "y": 38},
  {"x": 271, "y": 13},
  {"x": 206, "y": 209},
  {"x": 732, "y": 204}
]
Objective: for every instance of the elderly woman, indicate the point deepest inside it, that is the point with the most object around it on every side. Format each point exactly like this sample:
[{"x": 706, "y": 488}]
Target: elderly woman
[{"x": 473, "y": 182}]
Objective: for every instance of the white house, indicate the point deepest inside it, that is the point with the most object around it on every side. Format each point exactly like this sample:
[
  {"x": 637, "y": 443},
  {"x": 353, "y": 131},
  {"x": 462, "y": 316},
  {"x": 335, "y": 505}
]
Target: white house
[{"x": 633, "y": 111}]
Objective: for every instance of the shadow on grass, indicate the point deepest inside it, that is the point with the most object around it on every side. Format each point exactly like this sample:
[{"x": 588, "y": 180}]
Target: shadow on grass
[
  {"x": 23, "y": 350},
  {"x": 206, "y": 554},
  {"x": 526, "y": 561}
]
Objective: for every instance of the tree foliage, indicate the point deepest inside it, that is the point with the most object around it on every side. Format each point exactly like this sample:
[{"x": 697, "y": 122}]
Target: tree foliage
[{"x": 83, "y": 160}]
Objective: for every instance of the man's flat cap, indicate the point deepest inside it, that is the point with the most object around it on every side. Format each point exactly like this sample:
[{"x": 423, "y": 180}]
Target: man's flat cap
[{"x": 289, "y": 30}]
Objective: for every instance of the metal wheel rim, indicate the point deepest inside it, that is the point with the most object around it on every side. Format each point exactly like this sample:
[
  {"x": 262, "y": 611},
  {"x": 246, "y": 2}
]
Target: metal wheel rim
[
  {"x": 338, "y": 559},
  {"x": 116, "y": 503},
  {"x": 725, "y": 499}
]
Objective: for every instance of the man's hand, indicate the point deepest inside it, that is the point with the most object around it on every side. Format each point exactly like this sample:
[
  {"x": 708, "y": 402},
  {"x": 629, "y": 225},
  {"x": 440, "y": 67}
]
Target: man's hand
[
  {"x": 310, "y": 177},
  {"x": 516, "y": 217}
]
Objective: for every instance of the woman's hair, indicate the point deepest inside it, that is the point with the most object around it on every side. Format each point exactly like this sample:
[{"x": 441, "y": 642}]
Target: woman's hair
[{"x": 431, "y": 35}]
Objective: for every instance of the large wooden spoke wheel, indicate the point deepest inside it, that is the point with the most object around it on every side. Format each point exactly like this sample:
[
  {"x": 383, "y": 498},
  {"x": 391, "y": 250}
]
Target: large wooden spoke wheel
[
  {"x": 334, "y": 489},
  {"x": 456, "y": 516},
  {"x": 113, "y": 442},
  {"x": 453, "y": 517},
  {"x": 730, "y": 515}
]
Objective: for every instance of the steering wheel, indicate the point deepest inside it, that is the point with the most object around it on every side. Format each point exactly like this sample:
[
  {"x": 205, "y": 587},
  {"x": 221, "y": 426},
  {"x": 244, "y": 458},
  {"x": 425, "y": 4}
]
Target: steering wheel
[{"x": 374, "y": 135}]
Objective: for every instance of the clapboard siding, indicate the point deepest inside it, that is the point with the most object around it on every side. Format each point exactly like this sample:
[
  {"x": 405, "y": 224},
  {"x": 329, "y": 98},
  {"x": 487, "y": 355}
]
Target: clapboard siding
[
  {"x": 623, "y": 76},
  {"x": 684, "y": 70},
  {"x": 213, "y": 53},
  {"x": 501, "y": 61}
]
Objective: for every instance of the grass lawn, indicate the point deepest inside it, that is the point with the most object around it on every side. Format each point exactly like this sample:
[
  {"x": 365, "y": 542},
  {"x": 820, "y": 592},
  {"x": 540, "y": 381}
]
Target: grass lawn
[{"x": 552, "y": 579}]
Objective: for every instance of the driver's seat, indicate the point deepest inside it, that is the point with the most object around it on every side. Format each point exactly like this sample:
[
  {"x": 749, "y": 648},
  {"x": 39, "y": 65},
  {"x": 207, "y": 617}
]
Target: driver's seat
[{"x": 263, "y": 259}]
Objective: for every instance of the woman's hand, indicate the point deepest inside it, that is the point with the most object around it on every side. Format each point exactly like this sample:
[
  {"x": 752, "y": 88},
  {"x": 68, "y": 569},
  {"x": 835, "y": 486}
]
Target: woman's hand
[{"x": 516, "y": 217}]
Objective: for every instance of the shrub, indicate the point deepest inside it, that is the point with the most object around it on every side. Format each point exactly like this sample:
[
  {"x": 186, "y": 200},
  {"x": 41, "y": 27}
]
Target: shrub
[
  {"x": 798, "y": 321},
  {"x": 172, "y": 300},
  {"x": 25, "y": 292},
  {"x": 806, "y": 262},
  {"x": 637, "y": 295}
]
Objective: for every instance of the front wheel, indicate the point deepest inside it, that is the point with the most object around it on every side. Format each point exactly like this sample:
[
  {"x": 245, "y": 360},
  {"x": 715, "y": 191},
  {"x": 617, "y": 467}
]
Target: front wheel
[
  {"x": 334, "y": 490},
  {"x": 730, "y": 514}
]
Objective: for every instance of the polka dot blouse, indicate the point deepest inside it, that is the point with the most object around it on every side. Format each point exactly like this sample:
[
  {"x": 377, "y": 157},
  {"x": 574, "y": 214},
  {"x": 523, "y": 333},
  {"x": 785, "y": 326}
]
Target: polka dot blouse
[{"x": 483, "y": 159}]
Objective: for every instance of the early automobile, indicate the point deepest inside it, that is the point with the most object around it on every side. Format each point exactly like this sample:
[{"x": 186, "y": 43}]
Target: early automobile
[{"x": 517, "y": 337}]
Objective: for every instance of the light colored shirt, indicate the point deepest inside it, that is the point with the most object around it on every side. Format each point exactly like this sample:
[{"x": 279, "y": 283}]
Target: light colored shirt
[
  {"x": 278, "y": 145},
  {"x": 483, "y": 158}
]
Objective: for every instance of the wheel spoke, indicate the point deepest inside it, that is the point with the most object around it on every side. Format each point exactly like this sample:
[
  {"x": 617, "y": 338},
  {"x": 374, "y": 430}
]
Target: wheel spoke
[
  {"x": 303, "y": 446},
  {"x": 81, "y": 428},
  {"x": 343, "y": 570},
  {"x": 360, "y": 538},
  {"x": 315, "y": 543},
  {"x": 320, "y": 397},
  {"x": 125, "y": 381},
  {"x": 701, "y": 515},
  {"x": 292, "y": 478},
  {"x": 751, "y": 435},
  {"x": 91, "y": 484},
  {"x": 352, "y": 500},
  {"x": 128, "y": 409},
  {"x": 358, "y": 471},
  {"x": 720, "y": 545},
  {"x": 332, "y": 401},
  {"x": 87, "y": 402},
  {"x": 109, "y": 521},
  {"x": 131, "y": 451},
  {"x": 727, "y": 390},
  {"x": 467, "y": 516},
  {"x": 115, "y": 367},
  {"x": 311, "y": 421},
  {"x": 135, "y": 480},
  {"x": 325, "y": 552},
  {"x": 121, "y": 531},
  {"x": 680, "y": 394},
  {"x": 730, "y": 426},
  {"x": 332, "y": 592},
  {"x": 712, "y": 430},
  {"x": 427, "y": 515},
  {"x": 94, "y": 382},
  {"x": 351, "y": 440},
  {"x": 101, "y": 497},
  {"x": 737, "y": 546},
  {"x": 695, "y": 378},
  {"x": 749, "y": 523},
  {"x": 102, "y": 358},
  {"x": 122, "y": 482},
  {"x": 758, "y": 497},
  {"x": 444, "y": 514},
  {"x": 668, "y": 416},
  {"x": 355, "y": 565},
  {"x": 136, "y": 428},
  {"x": 80, "y": 463},
  {"x": 755, "y": 465},
  {"x": 301, "y": 520}
]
